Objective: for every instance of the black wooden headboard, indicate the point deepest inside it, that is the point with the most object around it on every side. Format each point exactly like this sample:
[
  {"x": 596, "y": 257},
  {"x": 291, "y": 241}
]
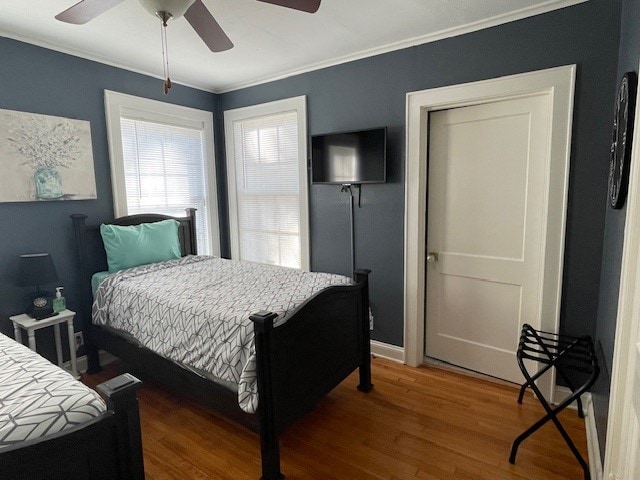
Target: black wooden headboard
[{"x": 92, "y": 257}]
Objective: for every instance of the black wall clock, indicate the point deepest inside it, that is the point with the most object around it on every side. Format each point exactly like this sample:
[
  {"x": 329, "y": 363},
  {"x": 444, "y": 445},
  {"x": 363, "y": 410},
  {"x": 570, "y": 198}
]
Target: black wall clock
[{"x": 621, "y": 142}]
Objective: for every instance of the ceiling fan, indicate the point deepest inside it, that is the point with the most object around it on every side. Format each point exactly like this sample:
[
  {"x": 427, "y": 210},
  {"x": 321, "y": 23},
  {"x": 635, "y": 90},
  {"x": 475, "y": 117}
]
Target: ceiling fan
[{"x": 194, "y": 11}]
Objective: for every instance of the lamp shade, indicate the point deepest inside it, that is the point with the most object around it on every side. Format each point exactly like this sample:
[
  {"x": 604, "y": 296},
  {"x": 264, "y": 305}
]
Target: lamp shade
[{"x": 36, "y": 269}]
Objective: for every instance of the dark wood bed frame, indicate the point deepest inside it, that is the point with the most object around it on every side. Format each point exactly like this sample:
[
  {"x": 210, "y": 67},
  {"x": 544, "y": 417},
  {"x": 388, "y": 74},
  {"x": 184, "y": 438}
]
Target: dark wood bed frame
[
  {"x": 106, "y": 448},
  {"x": 298, "y": 363}
]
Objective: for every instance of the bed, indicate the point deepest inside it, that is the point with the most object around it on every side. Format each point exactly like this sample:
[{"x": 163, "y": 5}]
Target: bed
[
  {"x": 297, "y": 362},
  {"x": 54, "y": 427}
]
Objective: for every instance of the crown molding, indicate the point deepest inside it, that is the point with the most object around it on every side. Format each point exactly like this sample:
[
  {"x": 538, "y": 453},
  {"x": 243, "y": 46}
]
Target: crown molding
[
  {"x": 93, "y": 57},
  {"x": 513, "y": 16}
]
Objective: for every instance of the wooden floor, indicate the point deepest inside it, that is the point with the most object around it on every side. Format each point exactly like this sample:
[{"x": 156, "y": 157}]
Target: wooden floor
[{"x": 417, "y": 423}]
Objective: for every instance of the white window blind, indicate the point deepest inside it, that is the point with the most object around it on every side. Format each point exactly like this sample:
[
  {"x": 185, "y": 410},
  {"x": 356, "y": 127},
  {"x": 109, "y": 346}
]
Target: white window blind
[
  {"x": 165, "y": 172},
  {"x": 267, "y": 167}
]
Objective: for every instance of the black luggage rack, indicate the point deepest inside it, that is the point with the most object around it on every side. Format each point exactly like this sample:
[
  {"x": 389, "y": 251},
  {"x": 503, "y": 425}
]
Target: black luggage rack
[{"x": 565, "y": 353}]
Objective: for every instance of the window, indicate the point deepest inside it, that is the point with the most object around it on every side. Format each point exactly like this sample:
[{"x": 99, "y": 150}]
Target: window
[
  {"x": 162, "y": 162},
  {"x": 267, "y": 176}
]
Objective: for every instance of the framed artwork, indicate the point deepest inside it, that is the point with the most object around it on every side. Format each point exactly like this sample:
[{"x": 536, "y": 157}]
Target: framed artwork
[
  {"x": 621, "y": 142},
  {"x": 45, "y": 158}
]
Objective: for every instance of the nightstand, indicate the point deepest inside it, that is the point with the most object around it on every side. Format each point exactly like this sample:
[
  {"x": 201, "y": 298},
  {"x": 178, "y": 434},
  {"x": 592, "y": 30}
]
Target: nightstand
[{"x": 31, "y": 325}]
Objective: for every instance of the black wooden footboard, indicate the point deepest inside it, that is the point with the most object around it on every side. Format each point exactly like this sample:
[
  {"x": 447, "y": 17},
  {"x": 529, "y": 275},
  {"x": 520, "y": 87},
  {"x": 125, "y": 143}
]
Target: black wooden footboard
[
  {"x": 322, "y": 343},
  {"x": 106, "y": 448}
]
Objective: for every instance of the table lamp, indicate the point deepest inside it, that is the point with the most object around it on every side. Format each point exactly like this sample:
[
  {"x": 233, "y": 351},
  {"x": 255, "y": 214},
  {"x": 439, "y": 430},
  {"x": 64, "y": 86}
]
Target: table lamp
[{"x": 37, "y": 269}]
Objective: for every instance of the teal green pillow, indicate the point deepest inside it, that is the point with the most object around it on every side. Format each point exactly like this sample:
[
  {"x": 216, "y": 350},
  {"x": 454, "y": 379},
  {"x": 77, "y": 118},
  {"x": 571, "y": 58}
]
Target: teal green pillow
[{"x": 135, "y": 245}]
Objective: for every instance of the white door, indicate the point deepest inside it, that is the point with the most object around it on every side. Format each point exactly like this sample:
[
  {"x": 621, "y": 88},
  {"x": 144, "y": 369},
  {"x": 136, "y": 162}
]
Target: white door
[{"x": 487, "y": 180}]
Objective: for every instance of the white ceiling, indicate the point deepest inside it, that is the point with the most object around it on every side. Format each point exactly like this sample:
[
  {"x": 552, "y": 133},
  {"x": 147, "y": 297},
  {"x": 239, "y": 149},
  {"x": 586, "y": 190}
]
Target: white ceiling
[{"x": 270, "y": 41}]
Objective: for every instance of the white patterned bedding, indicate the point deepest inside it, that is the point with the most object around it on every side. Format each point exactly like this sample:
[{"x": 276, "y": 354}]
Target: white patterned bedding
[
  {"x": 38, "y": 398},
  {"x": 195, "y": 311}
]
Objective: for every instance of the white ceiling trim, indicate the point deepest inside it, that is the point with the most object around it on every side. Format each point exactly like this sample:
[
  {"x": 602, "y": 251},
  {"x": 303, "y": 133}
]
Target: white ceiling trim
[
  {"x": 100, "y": 59},
  {"x": 527, "y": 12},
  {"x": 443, "y": 34}
]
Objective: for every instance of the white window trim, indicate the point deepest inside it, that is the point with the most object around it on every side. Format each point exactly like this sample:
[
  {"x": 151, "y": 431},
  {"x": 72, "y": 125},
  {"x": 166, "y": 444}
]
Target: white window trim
[
  {"x": 299, "y": 104},
  {"x": 119, "y": 104}
]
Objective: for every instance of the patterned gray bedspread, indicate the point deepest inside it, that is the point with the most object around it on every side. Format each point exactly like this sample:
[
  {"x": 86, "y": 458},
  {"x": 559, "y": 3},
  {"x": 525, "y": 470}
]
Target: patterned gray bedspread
[
  {"x": 195, "y": 311},
  {"x": 37, "y": 398}
]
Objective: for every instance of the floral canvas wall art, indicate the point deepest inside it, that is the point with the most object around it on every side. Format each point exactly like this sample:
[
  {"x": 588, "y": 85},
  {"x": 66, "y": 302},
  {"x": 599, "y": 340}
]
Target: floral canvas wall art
[{"x": 45, "y": 158}]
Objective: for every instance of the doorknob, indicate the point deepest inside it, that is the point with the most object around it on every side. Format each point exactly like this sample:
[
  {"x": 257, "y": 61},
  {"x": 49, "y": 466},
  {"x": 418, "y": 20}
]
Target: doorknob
[{"x": 432, "y": 257}]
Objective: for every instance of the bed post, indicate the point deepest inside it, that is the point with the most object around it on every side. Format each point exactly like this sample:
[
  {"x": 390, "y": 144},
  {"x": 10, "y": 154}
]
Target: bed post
[
  {"x": 270, "y": 449},
  {"x": 79, "y": 229},
  {"x": 361, "y": 276},
  {"x": 191, "y": 213},
  {"x": 121, "y": 398}
]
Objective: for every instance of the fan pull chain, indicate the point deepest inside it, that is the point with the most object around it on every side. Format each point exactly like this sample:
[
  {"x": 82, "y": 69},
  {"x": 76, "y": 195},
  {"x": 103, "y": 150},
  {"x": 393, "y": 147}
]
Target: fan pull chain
[{"x": 165, "y": 56}]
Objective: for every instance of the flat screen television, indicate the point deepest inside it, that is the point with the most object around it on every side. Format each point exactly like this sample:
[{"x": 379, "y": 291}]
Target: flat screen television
[{"x": 349, "y": 157}]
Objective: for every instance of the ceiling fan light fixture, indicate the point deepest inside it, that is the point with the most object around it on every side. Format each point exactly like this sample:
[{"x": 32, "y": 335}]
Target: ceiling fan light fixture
[
  {"x": 172, "y": 8},
  {"x": 195, "y": 12}
]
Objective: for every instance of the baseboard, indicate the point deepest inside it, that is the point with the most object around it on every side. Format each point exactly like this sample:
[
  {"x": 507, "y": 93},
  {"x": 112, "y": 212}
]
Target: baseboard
[
  {"x": 388, "y": 351},
  {"x": 379, "y": 349},
  {"x": 560, "y": 393},
  {"x": 81, "y": 362},
  {"x": 593, "y": 444}
]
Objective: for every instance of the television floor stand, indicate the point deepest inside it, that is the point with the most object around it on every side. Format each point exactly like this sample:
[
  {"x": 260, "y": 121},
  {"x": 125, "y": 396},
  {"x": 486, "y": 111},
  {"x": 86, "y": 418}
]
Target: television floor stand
[{"x": 348, "y": 187}]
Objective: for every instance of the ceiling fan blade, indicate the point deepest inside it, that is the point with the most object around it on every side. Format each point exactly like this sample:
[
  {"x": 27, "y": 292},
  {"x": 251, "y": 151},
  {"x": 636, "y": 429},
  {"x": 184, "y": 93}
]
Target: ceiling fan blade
[
  {"x": 86, "y": 10},
  {"x": 309, "y": 6},
  {"x": 207, "y": 28}
]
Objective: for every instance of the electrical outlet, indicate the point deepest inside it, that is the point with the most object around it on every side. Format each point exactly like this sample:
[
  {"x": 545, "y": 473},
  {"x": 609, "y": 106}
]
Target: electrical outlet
[{"x": 79, "y": 340}]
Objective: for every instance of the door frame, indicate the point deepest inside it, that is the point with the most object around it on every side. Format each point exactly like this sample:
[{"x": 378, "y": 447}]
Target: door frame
[
  {"x": 619, "y": 431},
  {"x": 559, "y": 83}
]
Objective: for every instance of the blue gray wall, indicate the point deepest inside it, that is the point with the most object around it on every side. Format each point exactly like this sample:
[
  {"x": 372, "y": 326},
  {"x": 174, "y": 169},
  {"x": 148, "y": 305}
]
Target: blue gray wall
[
  {"x": 628, "y": 58},
  {"x": 361, "y": 94},
  {"x": 371, "y": 92},
  {"x": 38, "y": 80}
]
